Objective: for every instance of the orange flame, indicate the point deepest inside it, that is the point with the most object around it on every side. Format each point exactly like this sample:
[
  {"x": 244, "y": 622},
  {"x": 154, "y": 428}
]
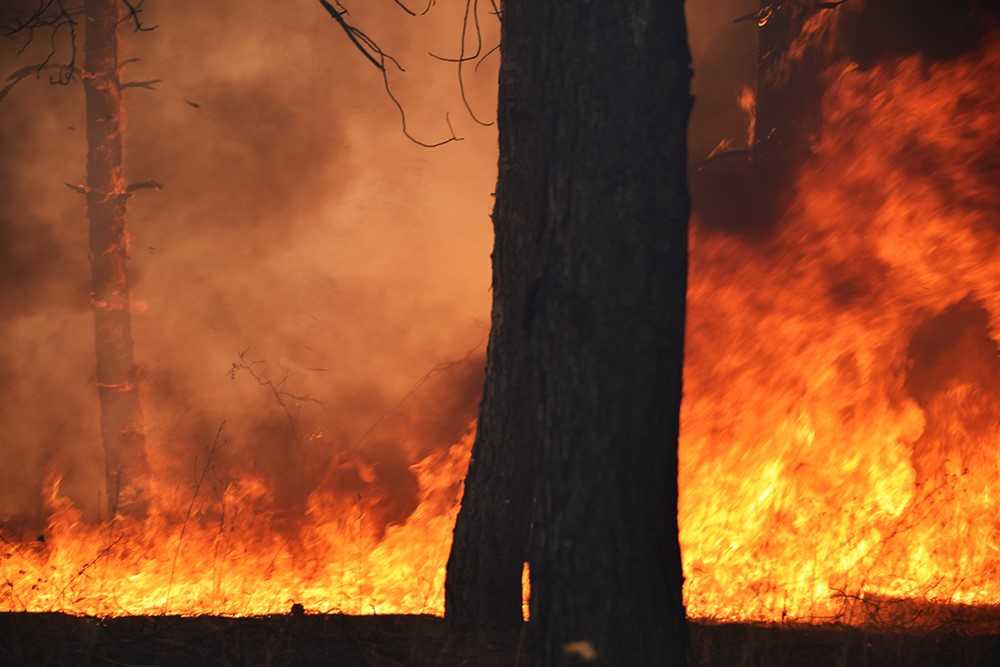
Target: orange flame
[
  {"x": 225, "y": 558},
  {"x": 813, "y": 470}
]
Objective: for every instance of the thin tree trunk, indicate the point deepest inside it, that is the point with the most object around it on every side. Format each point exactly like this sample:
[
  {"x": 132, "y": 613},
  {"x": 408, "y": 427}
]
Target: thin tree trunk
[
  {"x": 581, "y": 406},
  {"x": 121, "y": 414}
]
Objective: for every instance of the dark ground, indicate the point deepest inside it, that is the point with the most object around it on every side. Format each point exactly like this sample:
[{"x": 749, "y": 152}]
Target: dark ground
[{"x": 59, "y": 639}]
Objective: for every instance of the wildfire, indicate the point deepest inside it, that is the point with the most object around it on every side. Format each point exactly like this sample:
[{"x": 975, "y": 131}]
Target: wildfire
[
  {"x": 838, "y": 443},
  {"x": 841, "y": 435}
]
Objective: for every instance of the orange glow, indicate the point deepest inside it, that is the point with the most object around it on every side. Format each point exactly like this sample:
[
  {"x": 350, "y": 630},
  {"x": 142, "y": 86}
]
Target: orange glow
[
  {"x": 813, "y": 472},
  {"x": 748, "y": 103}
]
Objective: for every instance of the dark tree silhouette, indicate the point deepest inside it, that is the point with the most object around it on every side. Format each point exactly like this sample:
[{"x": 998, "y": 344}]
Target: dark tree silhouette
[
  {"x": 583, "y": 388},
  {"x": 574, "y": 468},
  {"x": 106, "y": 193}
]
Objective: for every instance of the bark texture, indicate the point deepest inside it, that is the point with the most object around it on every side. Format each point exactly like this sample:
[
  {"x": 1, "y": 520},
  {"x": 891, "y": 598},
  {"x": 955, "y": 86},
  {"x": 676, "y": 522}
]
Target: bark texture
[
  {"x": 121, "y": 413},
  {"x": 579, "y": 421}
]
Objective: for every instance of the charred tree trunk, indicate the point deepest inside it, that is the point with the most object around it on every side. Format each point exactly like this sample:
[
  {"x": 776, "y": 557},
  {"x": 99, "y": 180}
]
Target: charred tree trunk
[
  {"x": 789, "y": 91},
  {"x": 489, "y": 549},
  {"x": 121, "y": 414},
  {"x": 581, "y": 405},
  {"x": 490, "y": 544}
]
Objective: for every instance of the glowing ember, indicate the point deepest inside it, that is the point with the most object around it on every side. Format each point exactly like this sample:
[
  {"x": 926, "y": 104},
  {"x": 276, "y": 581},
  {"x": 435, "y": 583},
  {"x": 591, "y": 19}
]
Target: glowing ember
[
  {"x": 748, "y": 103},
  {"x": 835, "y": 446}
]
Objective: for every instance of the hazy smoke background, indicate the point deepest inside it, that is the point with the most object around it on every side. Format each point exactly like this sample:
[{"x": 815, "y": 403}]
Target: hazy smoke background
[{"x": 297, "y": 223}]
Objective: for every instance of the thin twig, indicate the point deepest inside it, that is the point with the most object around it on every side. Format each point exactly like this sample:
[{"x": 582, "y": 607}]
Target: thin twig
[
  {"x": 190, "y": 509},
  {"x": 399, "y": 3},
  {"x": 133, "y": 11},
  {"x": 149, "y": 84},
  {"x": 471, "y": 6},
  {"x": 281, "y": 396},
  {"x": 374, "y": 53},
  {"x": 437, "y": 368},
  {"x": 101, "y": 554}
]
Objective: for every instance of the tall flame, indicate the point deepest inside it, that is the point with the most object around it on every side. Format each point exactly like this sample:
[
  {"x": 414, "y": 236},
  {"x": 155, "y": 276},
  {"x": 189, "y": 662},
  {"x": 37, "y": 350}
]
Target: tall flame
[{"x": 815, "y": 469}]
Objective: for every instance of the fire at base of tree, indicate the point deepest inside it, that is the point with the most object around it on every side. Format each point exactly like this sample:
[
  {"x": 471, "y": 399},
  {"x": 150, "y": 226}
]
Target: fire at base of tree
[{"x": 249, "y": 422}]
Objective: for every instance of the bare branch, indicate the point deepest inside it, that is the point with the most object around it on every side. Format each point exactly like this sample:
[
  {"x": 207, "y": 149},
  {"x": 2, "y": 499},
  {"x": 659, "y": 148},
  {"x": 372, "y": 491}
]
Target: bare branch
[
  {"x": 376, "y": 56},
  {"x": 435, "y": 370},
  {"x": 485, "y": 56},
  {"x": 23, "y": 73},
  {"x": 129, "y": 191},
  {"x": 219, "y": 440},
  {"x": 471, "y": 7},
  {"x": 77, "y": 187},
  {"x": 148, "y": 85},
  {"x": 281, "y": 396},
  {"x": 54, "y": 16},
  {"x": 133, "y": 12},
  {"x": 479, "y": 46},
  {"x": 399, "y": 3},
  {"x": 402, "y": 118},
  {"x": 360, "y": 40},
  {"x": 79, "y": 573},
  {"x": 144, "y": 185}
]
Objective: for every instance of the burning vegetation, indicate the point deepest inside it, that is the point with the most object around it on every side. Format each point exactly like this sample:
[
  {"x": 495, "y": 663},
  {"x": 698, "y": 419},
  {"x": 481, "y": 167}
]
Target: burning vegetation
[{"x": 840, "y": 429}]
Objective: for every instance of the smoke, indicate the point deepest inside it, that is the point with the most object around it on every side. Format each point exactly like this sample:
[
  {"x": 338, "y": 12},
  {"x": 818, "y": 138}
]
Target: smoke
[{"x": 297, "y": 224}]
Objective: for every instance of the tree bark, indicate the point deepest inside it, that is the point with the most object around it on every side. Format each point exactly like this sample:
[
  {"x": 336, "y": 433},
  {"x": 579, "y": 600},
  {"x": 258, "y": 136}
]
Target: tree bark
[
  {"x": 581, "y": 406},
  {"x": 121, "y": 413}
]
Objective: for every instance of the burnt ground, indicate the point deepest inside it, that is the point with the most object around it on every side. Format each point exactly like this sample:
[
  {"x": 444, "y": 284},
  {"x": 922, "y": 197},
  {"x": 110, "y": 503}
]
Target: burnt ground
[{"x": 58, "y": 639}]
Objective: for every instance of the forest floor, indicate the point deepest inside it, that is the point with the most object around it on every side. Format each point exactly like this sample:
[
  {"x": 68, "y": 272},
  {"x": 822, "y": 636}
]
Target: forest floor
[{"x": 31, "y": 639}]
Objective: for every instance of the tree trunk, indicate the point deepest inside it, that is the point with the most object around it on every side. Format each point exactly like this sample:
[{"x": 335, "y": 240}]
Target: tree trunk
[
  {"x": 584, "y": 368},
  {"x": 483, "y": 584},
  {"x": 121, "y": 414}
]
